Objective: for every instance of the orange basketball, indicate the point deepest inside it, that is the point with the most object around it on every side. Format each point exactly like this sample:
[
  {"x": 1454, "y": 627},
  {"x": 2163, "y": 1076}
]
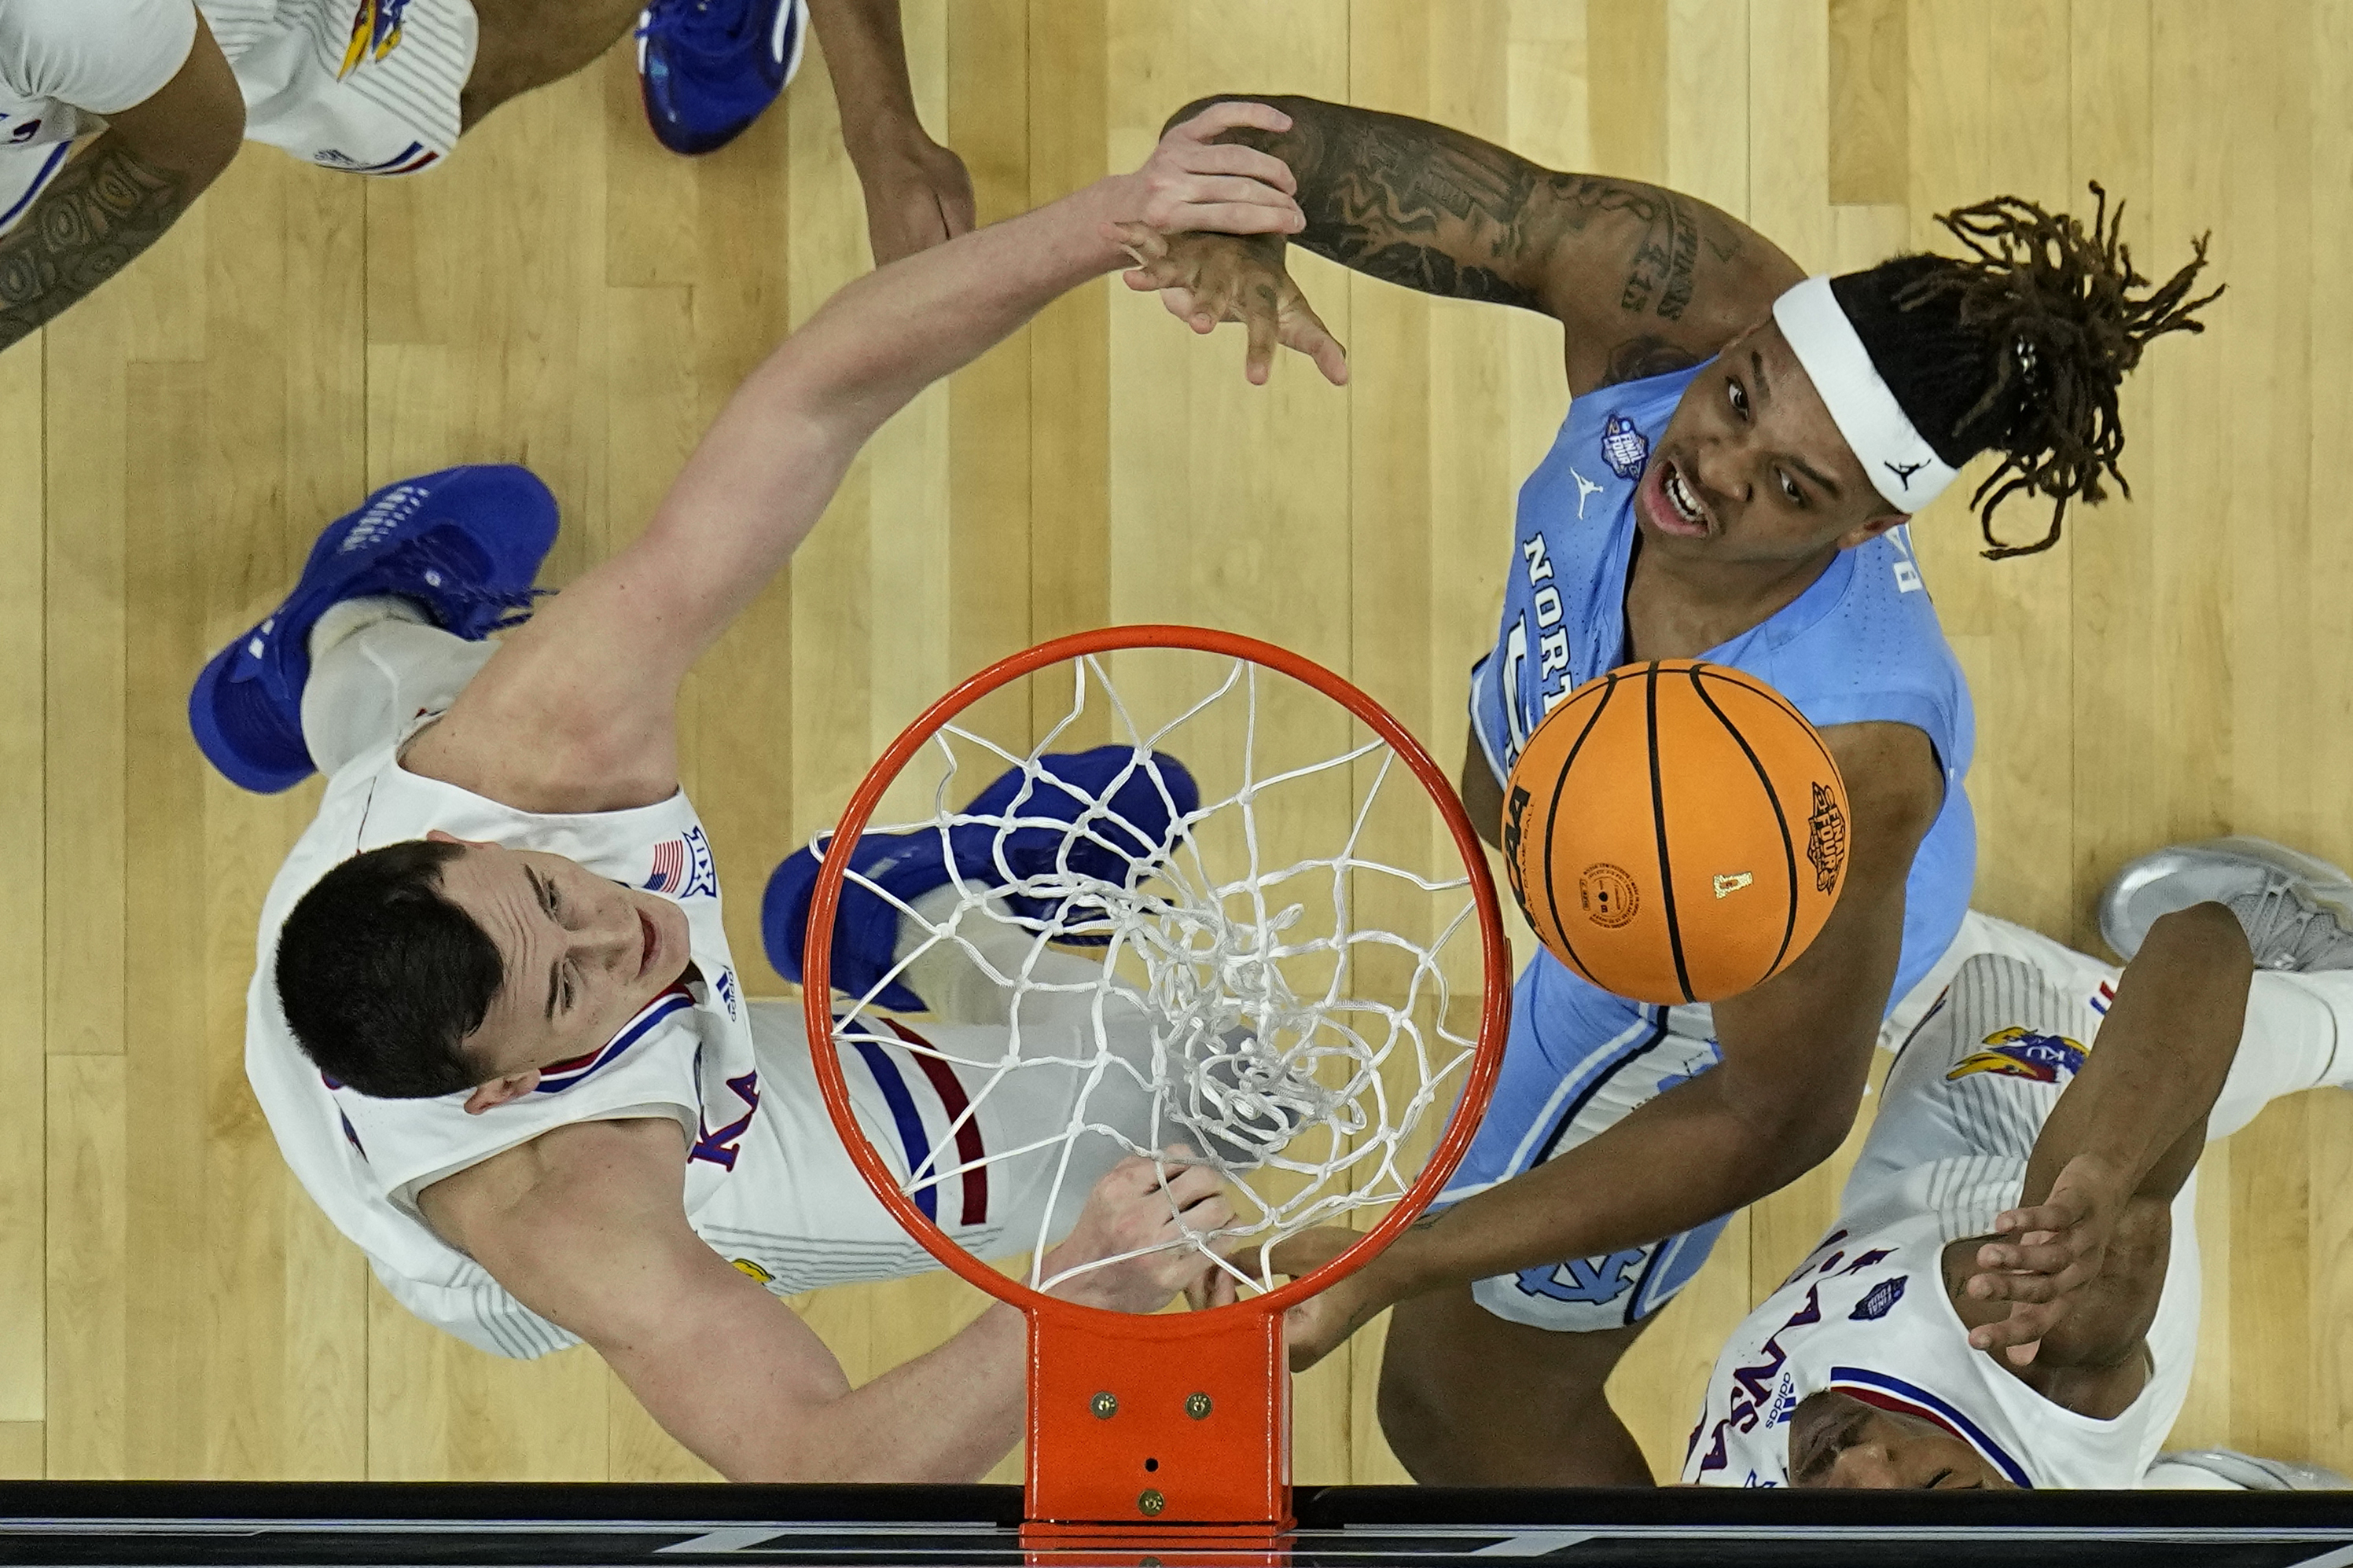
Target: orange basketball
[{"x": 1675, "y": 831}]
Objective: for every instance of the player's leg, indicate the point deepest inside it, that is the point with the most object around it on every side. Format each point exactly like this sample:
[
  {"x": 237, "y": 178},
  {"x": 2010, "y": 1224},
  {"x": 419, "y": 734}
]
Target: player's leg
[
  {"x": 1984, "y": 933},
  {"x": 385, "y": 623},
  {"x": 2297, "y": 913},
  {"x": 524, "y": 43},
  {"x": 1468, "y": 1398},
  {"x": 1502, "y": 1382},
  {"x": 24, "y": 173},
  {"x": 1065, "y": 820},
  {"x": 1040, "y": 1038}
]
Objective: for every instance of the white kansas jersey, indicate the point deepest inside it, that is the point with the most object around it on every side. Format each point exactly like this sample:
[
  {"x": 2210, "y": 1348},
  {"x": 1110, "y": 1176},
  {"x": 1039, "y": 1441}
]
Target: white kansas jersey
[
  {"x": 1867, "y": 1314},
  {"x": 687, "y": 1056}
]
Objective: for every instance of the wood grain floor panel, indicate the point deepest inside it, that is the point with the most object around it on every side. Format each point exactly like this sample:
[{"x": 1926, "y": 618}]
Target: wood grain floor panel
[{"x": 564, "y": 293}]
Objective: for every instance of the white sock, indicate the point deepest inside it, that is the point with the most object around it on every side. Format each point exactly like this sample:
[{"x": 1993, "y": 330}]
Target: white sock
[
  {"x": 342, "y": 619},
  {"x": 375, "y": 664},
  {"x": 958, "y": 991},
  {"x": 2299, "y": 1035}
]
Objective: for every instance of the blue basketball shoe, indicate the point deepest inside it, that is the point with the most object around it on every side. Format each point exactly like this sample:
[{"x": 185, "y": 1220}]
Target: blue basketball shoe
[
  {"x": 464, "y": 544},
  {"x": 707, "y": 69},
  {"x": 909, "y": 865}
]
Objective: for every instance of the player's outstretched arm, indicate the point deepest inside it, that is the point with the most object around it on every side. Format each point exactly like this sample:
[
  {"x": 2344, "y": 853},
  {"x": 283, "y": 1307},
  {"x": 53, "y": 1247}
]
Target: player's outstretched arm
[
  {"x": 121, "y": 191},
  {"x": 585, "y": 1225},
  {"x": 578, "y": 712},
  {"x": 1797, "y": 1052},
  {"x": 1643, "y": 279},
  {"x": 2071, "y": 1275},
  {"x": 917, "y": 192}
]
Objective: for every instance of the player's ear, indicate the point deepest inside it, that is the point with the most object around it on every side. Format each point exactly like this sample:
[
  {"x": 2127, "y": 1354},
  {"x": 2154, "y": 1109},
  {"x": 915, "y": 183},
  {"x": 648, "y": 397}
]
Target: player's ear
[
  {"x": 499, "y": 1090},
  {"x": 435, "y": 835},
  {"x": 1863, "y": 533}
]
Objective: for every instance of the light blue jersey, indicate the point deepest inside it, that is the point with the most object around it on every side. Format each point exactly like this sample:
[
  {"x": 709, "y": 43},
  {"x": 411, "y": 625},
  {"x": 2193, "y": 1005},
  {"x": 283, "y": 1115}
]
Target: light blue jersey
[{"x": 1862, "y": 644}]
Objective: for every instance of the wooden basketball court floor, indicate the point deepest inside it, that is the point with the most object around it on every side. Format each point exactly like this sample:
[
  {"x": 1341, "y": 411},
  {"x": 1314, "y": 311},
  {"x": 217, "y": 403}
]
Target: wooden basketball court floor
[{"x": 564, "y": 293}]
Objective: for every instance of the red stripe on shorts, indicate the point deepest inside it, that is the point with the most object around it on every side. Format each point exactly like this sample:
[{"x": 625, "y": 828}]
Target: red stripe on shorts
[{"x": 967, "y": 1128}]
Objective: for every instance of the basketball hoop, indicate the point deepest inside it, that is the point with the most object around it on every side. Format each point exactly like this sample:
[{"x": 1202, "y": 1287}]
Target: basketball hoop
[{"x": 1303, "y": 1058}]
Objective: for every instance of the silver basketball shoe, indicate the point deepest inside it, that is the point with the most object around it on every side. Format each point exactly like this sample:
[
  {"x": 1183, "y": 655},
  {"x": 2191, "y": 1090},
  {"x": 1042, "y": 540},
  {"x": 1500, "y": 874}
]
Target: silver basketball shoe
[
  {"x": 2296, "y": 909},
  {"x": 2249, "y": 1473}
]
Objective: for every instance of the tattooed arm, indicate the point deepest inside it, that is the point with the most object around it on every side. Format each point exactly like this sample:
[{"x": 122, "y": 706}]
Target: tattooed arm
[
  {"x": 121, "y": 191},
  {"x": 1643, "y": 279}
]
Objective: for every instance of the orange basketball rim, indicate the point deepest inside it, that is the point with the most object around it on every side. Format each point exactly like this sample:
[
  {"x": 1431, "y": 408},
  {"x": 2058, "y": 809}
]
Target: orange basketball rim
[{"x": 1178, "y": 1421}]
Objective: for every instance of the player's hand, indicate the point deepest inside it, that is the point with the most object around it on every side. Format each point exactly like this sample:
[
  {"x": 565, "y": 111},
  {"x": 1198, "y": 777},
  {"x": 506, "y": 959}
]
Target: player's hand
[
  {"x": 918, "y": 195},
  {"x": 1147, "y": 1226},
  {"x": 1321, "y": 1323},
  {"x": 2043, "y": 1257},
  {"x": 1205, "y": 278},
  {"x": 1192, "y": 181}
]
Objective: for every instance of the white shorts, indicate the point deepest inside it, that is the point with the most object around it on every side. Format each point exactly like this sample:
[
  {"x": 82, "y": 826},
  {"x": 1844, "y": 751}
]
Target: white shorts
[
  {"x": 816, "y": 1222},
  {"x": 366, "y": 85},
  {"x": 2298, "y": 1035},
  {"x": 369, "y": 87}
]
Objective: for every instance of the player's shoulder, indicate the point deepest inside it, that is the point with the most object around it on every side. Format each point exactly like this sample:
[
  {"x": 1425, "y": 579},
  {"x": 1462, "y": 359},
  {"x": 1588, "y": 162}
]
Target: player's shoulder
[{"x": 568, "y": 1181}]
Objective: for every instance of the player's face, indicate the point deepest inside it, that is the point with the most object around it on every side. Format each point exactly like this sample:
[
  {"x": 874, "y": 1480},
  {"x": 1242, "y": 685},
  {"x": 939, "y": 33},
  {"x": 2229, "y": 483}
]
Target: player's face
[
  {"x": 1751, "y": 468},
  {"x": 1835, "y": 1441},
  {"x": 582, "y": 955}
]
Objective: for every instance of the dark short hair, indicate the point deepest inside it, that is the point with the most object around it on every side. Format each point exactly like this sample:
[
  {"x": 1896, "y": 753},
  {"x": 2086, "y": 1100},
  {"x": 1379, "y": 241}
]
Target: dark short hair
[{"x": 382, "y": 977}]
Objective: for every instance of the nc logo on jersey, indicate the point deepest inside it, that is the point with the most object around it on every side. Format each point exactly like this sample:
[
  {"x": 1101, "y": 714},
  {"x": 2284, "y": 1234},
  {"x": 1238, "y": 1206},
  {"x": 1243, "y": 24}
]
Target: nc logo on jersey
[
  {"x": 375, "y": 33},
  {"x": 1880, "y": 1301},
  {"x": 683, "y": 867},
  {"x": 1587, "y": 1281},
  {"x": 2022, "y": 1053},
  {"x": 1623, "y": 447}
]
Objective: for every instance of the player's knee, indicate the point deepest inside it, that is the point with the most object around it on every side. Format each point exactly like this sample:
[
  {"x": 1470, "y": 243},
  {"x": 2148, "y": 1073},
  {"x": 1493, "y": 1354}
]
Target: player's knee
[
  {"x": 1427, "y": 1410},
  {"x": 1413, "y": 1415}
]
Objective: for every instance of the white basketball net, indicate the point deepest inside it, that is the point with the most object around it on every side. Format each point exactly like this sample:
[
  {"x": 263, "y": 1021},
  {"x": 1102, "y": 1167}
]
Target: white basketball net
[{"x": 1250, "y": 998}]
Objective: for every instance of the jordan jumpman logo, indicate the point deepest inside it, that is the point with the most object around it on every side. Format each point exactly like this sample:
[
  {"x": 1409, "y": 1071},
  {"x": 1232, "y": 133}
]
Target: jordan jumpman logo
[
  {"x": 1904, "y": 472},
  {"x": 1585, "y": 488}
]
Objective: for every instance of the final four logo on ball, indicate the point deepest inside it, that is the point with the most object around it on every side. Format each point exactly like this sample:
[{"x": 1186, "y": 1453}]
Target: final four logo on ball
[
  {"x": 1826, "y": 840},
  {"x": 1623, "y": 447}
]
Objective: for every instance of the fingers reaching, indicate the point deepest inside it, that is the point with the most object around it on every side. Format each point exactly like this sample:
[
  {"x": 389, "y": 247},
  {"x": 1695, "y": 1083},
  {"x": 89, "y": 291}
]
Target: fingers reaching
[
  {"x": 1233, "y": 158},
  {"x": 2022, "y": 1330},
  {"x": 2059, "y": 1214},
  {"x": 1231, "y": 115},
  {"x": 1192, "y": 184},
  {"x": 1303, "y": 330}
]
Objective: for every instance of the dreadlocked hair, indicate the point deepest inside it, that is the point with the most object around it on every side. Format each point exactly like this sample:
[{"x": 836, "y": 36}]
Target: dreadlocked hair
[{"x": 2020, "y": 347}]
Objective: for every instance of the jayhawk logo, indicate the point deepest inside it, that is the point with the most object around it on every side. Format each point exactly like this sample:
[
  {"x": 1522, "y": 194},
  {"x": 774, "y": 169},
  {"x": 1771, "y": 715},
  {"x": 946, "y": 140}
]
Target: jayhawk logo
[
  {"x": 1623, "y": 447},
  {"x": 2022, "y": 1053},
  {"x": 375, "y": 33}
]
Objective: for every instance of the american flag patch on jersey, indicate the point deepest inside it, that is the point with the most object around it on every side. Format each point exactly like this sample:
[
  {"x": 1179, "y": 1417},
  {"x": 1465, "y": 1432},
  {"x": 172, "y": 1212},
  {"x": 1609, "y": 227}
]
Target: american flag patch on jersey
[{"x": 682, "y": 869}]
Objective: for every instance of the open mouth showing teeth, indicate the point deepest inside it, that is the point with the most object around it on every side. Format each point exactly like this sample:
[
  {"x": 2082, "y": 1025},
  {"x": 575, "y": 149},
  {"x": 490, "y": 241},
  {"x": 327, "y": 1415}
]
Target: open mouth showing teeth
[{"x": 1687, "y": 506}]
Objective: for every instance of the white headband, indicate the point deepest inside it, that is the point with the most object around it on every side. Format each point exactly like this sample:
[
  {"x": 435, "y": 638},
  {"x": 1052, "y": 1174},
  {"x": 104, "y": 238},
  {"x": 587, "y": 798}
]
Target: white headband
[{"x": 1902, "y": 466}]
